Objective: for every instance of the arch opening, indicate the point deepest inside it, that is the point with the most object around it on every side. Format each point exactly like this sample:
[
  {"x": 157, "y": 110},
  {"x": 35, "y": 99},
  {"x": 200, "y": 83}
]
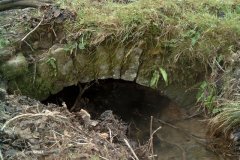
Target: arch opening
[{"x": 126, "y": 99}]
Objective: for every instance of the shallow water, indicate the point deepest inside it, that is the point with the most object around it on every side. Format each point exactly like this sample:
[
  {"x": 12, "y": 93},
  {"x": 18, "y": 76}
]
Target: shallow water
[{"x": 180, "y": 138}]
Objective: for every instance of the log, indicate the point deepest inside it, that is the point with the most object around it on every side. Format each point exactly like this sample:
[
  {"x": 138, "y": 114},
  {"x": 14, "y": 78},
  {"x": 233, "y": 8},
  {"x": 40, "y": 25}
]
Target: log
[{"x": 20, "y": 4}]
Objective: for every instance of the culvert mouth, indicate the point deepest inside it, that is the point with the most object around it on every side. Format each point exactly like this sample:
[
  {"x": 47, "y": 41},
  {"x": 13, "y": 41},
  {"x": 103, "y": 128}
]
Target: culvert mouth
[
  {"x": 181, "y": 134},
  {"x": 126, "y": 99}
]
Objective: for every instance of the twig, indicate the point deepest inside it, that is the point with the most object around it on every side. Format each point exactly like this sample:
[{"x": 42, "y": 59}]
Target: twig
[
  {"x": 43, "y": 152},
  {"x": 23, "y": 39},
  {"x": 110, "y": 135},
  {"x": 183, "y": 130},
  {"x": 52, "y": 114},
  {"x": 29, "y": 45},
  {"x": 220, "y": 67},
  {"x": 1, "y": 156},
  {"x": 103, "y": 158},
  {"x": 134, "y": 154},
  {"x": 34, "y": 72},
  {"x": 151, "y": 139},
  {"x": 79, "y": 97}
]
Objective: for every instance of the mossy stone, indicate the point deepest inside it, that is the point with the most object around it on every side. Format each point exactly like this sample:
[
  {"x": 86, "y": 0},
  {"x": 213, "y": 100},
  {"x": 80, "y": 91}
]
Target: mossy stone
[
  {"x": 14, "y": 67},
  {"x": 5, "y": 55}
]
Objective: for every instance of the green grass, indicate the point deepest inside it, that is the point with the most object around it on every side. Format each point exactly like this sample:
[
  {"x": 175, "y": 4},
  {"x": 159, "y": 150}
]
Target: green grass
[{"x": 188, "y": 31}]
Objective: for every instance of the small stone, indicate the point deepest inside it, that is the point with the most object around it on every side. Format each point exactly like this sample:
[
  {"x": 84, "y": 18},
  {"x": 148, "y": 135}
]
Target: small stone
[
  {"x": 5, "y": 54},
  {"x": 235, "y": 137},
  {"x": 132, "y": 66},
  {"x": 35, "y": 45},
  {"x": 3, "y": 94}
]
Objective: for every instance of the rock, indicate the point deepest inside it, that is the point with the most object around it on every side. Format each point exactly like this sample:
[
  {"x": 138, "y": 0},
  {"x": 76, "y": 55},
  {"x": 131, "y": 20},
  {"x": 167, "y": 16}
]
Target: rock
[
  {"x": 3, "y": 94},
  {"x": 117, "y": 60},
  {"x": 3, "y": 88},
  {"x": 131, "y": 65},
  {"x": 14, "y": 67},
  {"x": 5, "y": 54},
  {"x": 102, "y": 65},
  {"x": 235, "y": 138}
]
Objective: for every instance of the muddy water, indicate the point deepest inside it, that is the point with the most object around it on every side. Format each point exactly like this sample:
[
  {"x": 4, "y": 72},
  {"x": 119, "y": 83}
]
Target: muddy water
[{"x": 180, "y": 138}]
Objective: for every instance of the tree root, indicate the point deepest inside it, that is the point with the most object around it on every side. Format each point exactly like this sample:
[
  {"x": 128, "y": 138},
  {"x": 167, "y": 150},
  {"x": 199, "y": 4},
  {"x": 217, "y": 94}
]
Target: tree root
[{"x": 20, "y": 4}]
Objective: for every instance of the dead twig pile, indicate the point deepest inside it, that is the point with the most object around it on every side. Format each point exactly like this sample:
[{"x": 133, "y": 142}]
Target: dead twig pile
[{"x": 31, "y": 130}]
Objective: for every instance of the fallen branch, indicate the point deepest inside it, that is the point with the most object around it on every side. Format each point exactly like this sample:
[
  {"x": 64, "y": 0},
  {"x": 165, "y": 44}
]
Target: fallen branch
[
  {"x": 52, "y": 114},
  {"x": 44, "y": 152},
  {"x": 134, "y": 154},
  {"x": 20, "y": 4},
  {"x": 79, "y": 97}
]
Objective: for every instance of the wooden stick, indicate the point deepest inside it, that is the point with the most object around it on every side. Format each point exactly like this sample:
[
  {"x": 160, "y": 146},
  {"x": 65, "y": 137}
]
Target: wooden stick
[
  {"x": 151, "y": 136},
  {"x": 134, "y": 154}
]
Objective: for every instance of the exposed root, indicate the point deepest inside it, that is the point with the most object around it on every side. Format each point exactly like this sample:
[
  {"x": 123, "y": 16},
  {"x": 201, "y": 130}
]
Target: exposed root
[
  {"x": 14, "y": 4},
  {"x": 199, "y": 139}
]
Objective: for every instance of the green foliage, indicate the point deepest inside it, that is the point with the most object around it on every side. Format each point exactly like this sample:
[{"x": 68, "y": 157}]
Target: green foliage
[
  {"x": 164, "y": 75},
  {"x": 3, "y": 42},
  {"x": 80, "y": 43},
  {"x": 52, "y": 62},
  {"x": 207, "y": 96},
  {"x": 156, "y": 76},
  {"x": 154, "y": 80}
]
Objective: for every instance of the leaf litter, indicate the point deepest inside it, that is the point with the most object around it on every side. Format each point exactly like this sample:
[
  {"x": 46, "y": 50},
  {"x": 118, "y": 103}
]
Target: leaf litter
[{"x": 31, "y": 130}]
